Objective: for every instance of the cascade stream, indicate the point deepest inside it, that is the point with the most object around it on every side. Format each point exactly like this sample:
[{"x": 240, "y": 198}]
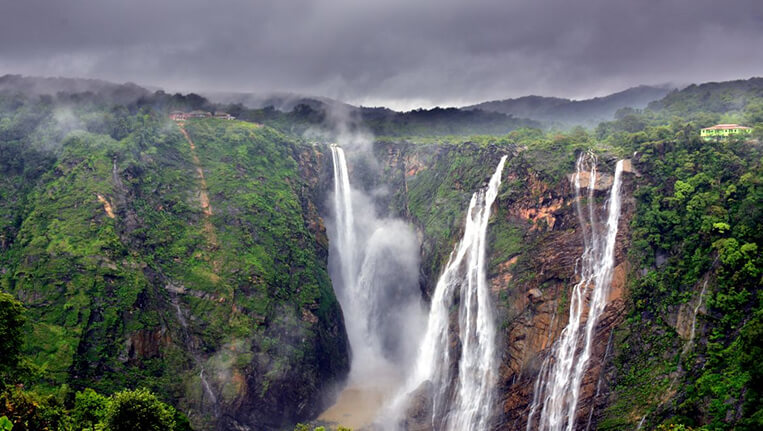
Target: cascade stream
[
  {"x": 461, "y": 396},
  {"x": 557, "y": 388}
]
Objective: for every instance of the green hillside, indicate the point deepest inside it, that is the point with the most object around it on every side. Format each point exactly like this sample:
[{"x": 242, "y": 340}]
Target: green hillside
[{"x": 129, "y": 281}]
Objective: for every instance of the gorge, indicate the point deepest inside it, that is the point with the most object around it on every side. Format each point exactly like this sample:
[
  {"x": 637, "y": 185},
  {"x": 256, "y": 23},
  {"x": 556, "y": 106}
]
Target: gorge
[
  {"x": 253, "y": 275},
  {"x": 451, "y": 383}
]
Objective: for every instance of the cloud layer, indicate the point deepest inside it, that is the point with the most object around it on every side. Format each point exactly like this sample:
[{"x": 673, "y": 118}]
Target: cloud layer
[{"x": 397, "y": 52}]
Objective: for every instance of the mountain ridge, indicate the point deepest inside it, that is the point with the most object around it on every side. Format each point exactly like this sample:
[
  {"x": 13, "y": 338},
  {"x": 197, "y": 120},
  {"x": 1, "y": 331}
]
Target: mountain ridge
[{"x": 569, "y": 111}]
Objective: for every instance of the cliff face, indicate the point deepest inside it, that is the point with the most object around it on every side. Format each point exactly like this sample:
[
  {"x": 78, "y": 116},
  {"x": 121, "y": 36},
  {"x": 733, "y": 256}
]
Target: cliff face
[
  {"x": 194, "y": 264},
  {"x": 686, "y": 275},
  {"x": 535, "y": 243},
  {"x": 534, "y": 289}
]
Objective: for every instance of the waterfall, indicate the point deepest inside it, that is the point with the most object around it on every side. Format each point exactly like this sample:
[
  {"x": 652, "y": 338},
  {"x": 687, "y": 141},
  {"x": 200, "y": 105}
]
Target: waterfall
[
  {"x": 343, "y": 212},
  {"x": 558, "y": 386},
  {"x": 462, "y": 398},
  {"x": 375, "y": 273},
  {"x": 354, "y": 300},
  {"x": 192, "y": 349}
]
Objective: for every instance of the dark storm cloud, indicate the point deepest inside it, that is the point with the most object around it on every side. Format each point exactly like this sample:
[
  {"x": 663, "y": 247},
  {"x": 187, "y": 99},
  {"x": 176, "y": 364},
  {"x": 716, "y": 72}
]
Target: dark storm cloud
[{"x": 393, "y": 51}]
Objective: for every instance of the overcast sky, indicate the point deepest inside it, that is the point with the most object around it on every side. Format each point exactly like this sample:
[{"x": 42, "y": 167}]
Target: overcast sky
[{"x": 400, "y": 53}]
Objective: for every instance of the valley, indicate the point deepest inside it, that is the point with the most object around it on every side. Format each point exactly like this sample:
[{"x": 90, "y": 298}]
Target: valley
[{"x": 385, "y": 272}]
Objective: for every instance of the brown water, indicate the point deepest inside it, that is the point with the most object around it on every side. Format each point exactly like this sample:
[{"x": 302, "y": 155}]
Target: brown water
[
  {"x": 355, "y": 408},
  {"x": 359, "y": 404}
]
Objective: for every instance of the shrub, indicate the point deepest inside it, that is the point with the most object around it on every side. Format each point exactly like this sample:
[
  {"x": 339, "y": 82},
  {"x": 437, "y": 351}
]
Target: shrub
[
  {"x": 11, "y": 322},
  {"x": 138, "y": 410},
  {"x": 90, "y": 408}
]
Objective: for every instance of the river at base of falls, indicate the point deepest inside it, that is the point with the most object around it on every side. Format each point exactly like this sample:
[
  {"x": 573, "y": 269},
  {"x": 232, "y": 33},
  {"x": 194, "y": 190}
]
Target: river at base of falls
[{"x": 359, "y": 404}]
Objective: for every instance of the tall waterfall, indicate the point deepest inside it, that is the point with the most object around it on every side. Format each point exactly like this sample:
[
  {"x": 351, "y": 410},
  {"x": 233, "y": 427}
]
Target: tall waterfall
[
  {"x": 345, "y": 225},
  {"x": 354, "y": 303},
  {"x": 462, "y": 396},
  {"x": 557, "y": 389},
  {"x": 375, "y": 272}
]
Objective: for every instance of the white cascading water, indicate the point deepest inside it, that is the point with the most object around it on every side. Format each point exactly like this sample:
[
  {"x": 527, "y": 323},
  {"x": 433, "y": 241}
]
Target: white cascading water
[
  {"x": 374, "y": 266},
  {"x": 354, "y": 301},
  {"x": 557, "y": 389},
  {"x": 377, "y": 262},
  {"x": 467, "y": 405},
  {"x": 345, "y": 225}
]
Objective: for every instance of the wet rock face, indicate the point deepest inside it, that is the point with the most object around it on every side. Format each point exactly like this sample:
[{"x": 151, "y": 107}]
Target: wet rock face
[
  {"x": 533, "y": 298},
  {"x": 146, "y": 344},
  {"x": 531, "y": 287},
  {"x": 418, "y": 417}
]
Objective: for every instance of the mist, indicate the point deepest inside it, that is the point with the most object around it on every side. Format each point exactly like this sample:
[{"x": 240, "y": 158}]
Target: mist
[{"x": 374, "y": 267}]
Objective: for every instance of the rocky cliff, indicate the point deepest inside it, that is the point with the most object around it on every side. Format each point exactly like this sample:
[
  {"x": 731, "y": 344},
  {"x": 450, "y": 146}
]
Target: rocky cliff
[
  {"x": 670, "y": 345},
  {"x": 535, "y": 243}
]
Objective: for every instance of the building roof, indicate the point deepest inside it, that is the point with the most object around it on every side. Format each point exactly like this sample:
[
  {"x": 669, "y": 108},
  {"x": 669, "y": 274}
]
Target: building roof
[{"x": 725, "y": 127}]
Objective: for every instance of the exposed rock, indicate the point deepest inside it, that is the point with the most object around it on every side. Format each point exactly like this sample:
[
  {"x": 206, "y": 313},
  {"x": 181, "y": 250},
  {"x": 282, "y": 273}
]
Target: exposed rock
[
  {"x": 603, "y": 181},
  {"x": 537, "y": 304},
  {"x": 502, "y": 280},
  {"x": 107, "y": 206},
  {"x": 146, "y": 344},
  {"x": 628, "y": 167},
  {"x": 419, "y": 414},
  {"x": 534, "y": 295}
]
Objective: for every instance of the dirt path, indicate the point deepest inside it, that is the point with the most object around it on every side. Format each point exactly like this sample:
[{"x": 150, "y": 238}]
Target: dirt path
[{"x": 209, "y": 230}]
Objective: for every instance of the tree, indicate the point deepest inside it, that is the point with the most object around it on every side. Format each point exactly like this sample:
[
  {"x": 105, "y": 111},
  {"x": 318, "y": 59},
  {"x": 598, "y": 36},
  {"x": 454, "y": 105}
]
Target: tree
[
  {"x": 138, "y": 410},
  {"x": 90, "y": 408},
  {"x": 5, "y": 424},
  {"x": 11, "y": 323},
  {"x": 29, "y": 411}
]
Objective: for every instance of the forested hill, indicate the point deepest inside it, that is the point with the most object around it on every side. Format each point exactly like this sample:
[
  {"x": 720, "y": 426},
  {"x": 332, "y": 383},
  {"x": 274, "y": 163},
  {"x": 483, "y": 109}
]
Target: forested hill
[
  {"x": 566, "y": 112},
  {"x": 36, "y": 86},
  {"x": 702, "y": 105},
  {"x": 715, "y": 97},
  {"x": 385, "y": 122}
]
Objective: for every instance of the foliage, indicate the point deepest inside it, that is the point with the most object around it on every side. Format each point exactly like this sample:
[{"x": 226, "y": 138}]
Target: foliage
[
  {"x": 5, "y": 424},
  {"x": 673, "y": 427},
  {"x": 698, "y": 223},
  {"x": 90, "y": 411},
  {"x": 138, "y": 410},
  {"x": 90, "y": 408},
  {"x": 11, "y": 336},
  {"x": 32, "y": 412}
]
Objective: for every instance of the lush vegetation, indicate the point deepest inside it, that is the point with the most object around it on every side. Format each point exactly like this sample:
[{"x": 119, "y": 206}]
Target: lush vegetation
[
  {"x": 129, "y": 281},
  {"x": 697, "y": 231},
  {"x": 89, "y": 411},
  {"x": 27, "y": 410}
]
